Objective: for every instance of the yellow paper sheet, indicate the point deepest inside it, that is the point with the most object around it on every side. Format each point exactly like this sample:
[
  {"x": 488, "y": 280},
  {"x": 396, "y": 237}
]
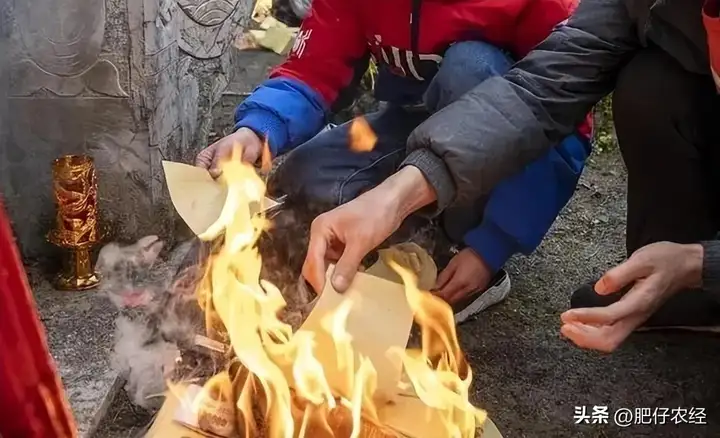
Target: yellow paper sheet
[
  {"x": 262, "y": 10},
  {"x": 380, "y": 319},
  {"x": 269, "y": 22},
  {"x": 166, "y": 424},
  {"x": 413, "y": 418},
  {"x": 197, "y": 197},
  {"x": 410, "y": 256},
  {"x": 279, "y": 39}
]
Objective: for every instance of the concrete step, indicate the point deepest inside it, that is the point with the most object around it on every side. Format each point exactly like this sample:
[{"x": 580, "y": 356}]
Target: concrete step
[{"x": 80, "y": 328}]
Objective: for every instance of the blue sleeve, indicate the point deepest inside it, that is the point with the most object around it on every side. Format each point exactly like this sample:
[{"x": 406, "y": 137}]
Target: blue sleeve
[
  {"x": 286, "y": 111},
  {"x": 521, "y": 209}
]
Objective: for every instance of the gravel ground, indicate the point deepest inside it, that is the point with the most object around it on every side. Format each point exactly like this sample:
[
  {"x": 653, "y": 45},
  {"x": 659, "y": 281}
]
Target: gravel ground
[{"x": 529, "y": 379}]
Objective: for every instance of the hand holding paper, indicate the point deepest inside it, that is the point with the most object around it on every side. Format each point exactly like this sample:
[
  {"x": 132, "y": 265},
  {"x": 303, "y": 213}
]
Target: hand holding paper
[
  {"x": 379, "y": 322},
  {"x": 350, "y": 231},
  {"x": 197, "y": 197},
  {"x": 243, "y": 142}
]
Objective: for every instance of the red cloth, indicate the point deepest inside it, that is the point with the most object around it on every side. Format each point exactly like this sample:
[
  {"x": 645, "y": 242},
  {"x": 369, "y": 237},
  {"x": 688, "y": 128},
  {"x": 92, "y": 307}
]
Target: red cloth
[
  {"x": 32, "y": 400},
  {"x": 711, "y": 19}
]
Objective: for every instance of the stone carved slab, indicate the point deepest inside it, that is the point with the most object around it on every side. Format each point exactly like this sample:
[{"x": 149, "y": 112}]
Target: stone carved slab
[
  {"x": 102, "y": 78},
  {"x": 186, "y": 63},
  {"x": 63, "y": 37},
  {"x": 208, "y": 12},
  {"x": 62, "y": 41},
  {"x": 70, "y": 97},
  {"x": 207, "y": 27}
]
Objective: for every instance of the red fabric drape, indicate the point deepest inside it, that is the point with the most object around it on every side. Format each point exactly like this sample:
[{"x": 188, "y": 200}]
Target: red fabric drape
[{"x": 32, "y": 400}]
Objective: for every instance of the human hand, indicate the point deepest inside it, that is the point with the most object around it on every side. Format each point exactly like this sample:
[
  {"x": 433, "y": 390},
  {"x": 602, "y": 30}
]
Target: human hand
[
  {"x": 349, "y": 232},
  {"x": 657, "y": 272},
  {"x": 466, "y": 272},
  {"x": 243, "y": 141}
]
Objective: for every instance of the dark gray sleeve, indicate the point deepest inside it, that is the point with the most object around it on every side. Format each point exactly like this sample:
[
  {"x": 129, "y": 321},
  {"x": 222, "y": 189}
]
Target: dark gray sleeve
[
  {"x": 711, "y": 266},
  {"x": 507, "y": 122}
]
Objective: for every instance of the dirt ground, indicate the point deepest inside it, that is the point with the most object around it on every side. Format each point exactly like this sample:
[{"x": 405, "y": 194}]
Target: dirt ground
[{"x": 529, "y": 379}]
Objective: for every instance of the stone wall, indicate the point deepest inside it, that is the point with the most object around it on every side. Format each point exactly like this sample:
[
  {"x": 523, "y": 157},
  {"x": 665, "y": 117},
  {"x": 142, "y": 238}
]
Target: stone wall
[
  {"x": 250, "y": 67},
  {"x": 130, "y": 82}
]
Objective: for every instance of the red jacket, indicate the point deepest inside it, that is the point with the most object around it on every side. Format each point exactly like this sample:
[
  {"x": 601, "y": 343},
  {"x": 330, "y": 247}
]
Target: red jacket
[{"x": 339, "y": 32}]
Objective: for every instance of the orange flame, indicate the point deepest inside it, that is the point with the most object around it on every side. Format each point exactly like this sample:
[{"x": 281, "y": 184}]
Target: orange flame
[
  {"x": 266, "y": 158},
  {"x": 362, "y": 137},
  {"x": 282, "y": 388}
]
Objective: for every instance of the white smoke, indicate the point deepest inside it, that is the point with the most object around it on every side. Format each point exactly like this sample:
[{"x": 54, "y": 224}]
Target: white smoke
[
  {"x": 151, "y": 324},
  {"x": 144, "y": 364}
]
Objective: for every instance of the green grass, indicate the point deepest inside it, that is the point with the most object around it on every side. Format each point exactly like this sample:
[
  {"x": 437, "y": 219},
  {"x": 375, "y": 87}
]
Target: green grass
[
  {"x": 368, "y": 80},
  {"x": 604, "y": 137}
]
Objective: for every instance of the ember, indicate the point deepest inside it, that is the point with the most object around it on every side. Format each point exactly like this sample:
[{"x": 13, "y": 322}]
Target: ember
[
  {"x": 362, "y": 137},
  {"x": 343, "y": 374}
]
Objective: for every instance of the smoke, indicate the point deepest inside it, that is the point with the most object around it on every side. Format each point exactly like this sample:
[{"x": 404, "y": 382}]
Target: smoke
[
  {"x": 145, "y": 362},
  {"x": 156, "y": 317}
]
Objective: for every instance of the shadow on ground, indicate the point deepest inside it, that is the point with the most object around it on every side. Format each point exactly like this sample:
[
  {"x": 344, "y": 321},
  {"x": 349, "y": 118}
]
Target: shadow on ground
[{"x": 531, "y": 380}]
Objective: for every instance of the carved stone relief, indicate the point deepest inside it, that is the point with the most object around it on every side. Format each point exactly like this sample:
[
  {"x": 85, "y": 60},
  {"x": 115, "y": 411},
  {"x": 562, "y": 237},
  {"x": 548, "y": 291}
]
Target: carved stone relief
[
  {"x": 63, "y": 37},
  {"x": 130, "y": 82},
  {"x": 207, "y": 27},
  {"x": 102, "y": 78},
  {"x": 186, "y": 65},
  {"x": 62, "y": 41}
]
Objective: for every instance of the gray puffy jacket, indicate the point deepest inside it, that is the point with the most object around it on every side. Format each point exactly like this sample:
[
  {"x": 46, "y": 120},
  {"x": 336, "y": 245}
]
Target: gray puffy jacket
[
  {"x": 503, "y": 124},
  {"x": 506, "y": 122}
]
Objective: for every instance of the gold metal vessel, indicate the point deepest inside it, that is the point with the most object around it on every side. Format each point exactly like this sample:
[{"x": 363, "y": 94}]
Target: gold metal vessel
[{"x": 76, "y": 222}]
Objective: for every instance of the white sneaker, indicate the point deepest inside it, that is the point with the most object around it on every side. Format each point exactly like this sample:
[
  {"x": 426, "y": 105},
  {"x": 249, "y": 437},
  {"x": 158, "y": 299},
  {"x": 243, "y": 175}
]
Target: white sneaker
[{"x": 480, "y": 300}]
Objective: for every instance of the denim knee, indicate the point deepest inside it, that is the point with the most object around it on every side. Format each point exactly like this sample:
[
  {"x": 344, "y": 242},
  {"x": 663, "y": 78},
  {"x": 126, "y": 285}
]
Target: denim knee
[
  {"x": 301, "y": 176},
  {"x": 465, "y": 65}
]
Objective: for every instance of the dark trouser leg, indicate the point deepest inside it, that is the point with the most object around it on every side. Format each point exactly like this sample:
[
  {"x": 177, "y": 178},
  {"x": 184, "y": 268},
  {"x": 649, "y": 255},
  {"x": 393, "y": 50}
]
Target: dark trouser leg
[
  {"x": 664, "y": 118},
  {"x": 324, "y": 173},
  {"x": 666, "y": 122},
  {"x": 324, "y": 169}
]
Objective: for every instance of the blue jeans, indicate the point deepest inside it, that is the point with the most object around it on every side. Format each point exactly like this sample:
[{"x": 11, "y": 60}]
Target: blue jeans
[{"x": 324, "y": 169}]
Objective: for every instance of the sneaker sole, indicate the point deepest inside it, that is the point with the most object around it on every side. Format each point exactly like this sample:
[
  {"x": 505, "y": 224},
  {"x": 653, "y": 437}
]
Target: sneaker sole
[{"x": 489, "y": 298}]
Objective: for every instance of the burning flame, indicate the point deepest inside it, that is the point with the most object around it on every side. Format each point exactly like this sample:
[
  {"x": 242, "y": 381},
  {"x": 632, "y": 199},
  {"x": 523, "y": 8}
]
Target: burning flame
[
  {"x": 362, "y": 137},
  {"x": 277, "y": 379},
  {"x": 266, "y": 158}
]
